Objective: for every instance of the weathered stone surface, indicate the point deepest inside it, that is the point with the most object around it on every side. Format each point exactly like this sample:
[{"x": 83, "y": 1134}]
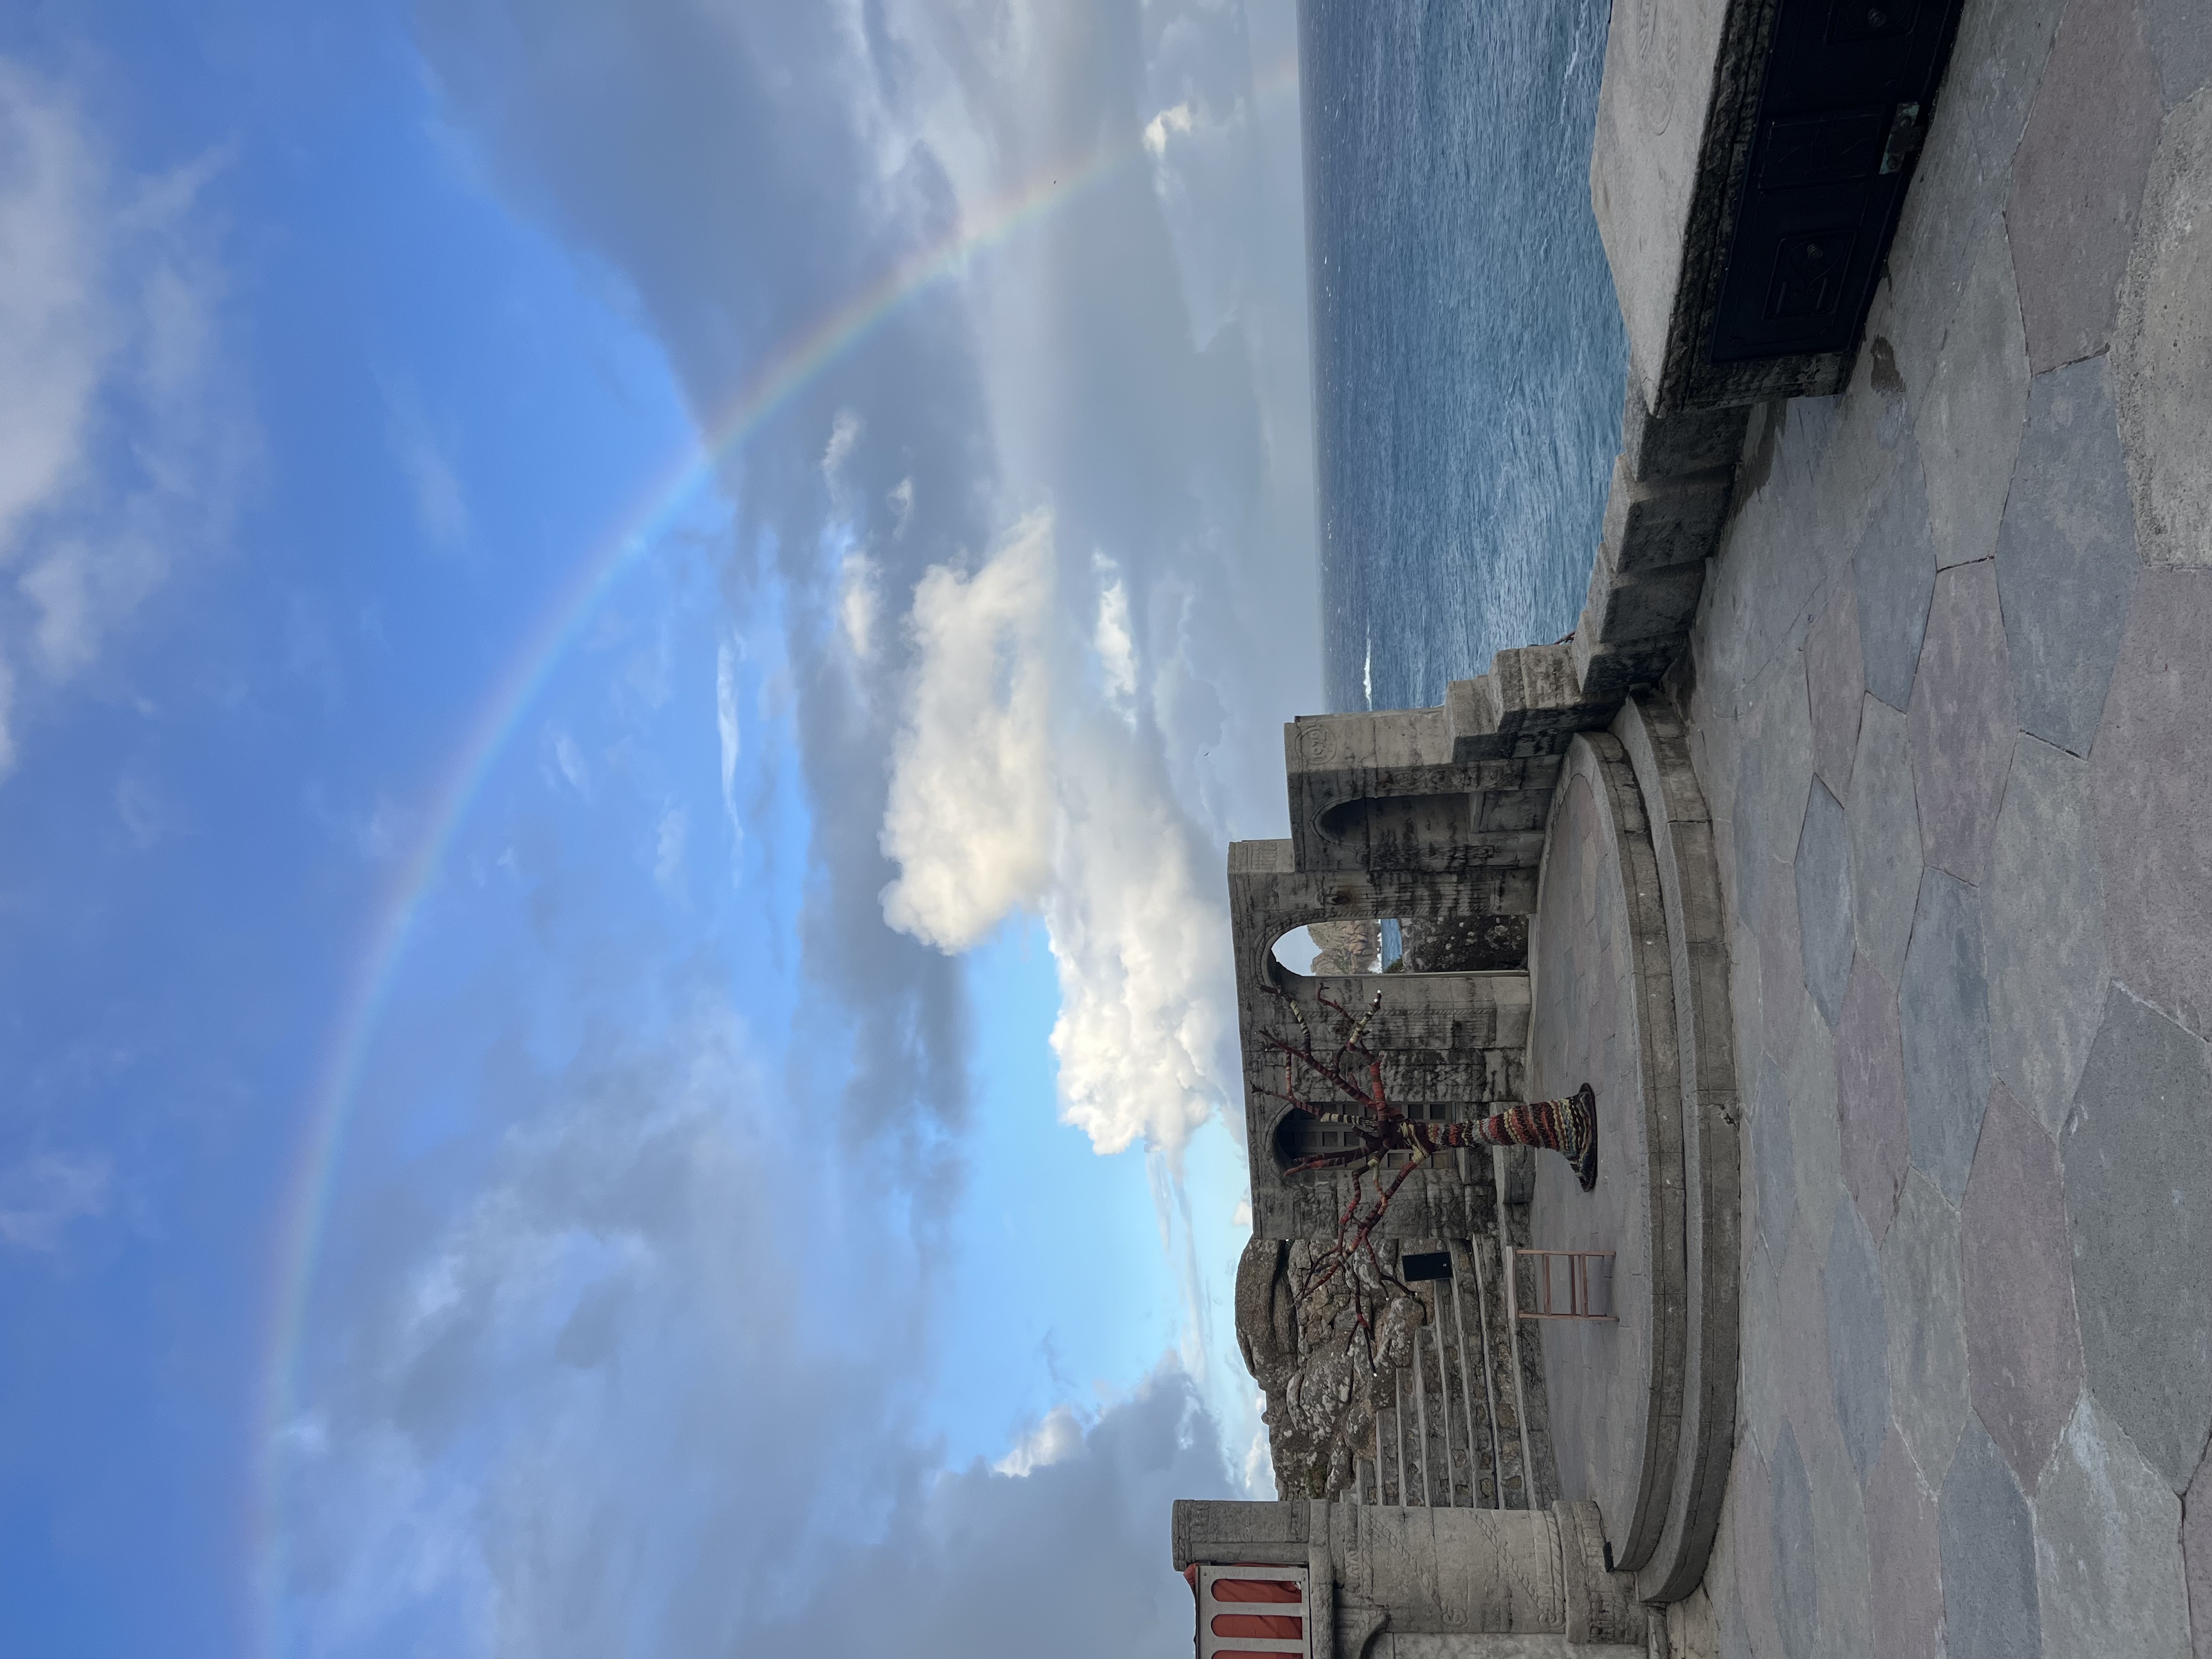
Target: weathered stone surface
[
  {"x": 1761, "y": 1394},
  {"x": 1824, "y": 901},
  {"x": 2108, "y": 1549},
  {"x": 2196, "y": 1554},
  {"x": 1883, "y": 820},
  {"x": 1987, "y": 1540},
  {"x": 1750, "y": 1511},
  {"x": 1870, "y": 1096},
  {"x": 2138, "y": 1160},
  {"x": 1943, "y": 1009},
  {"x": 1858, "y": 1339},
  {"x": 1894, "y": 570},
  {"x": 1962, "y": 720},
  {"x": 1926, "y": 1310},
  {"x": 2152, "y": 767},
  {"x": 2162, "y": 347},
  {"x": 2043, "y": 926},
  {"x": 1969, "y": 419},
  {"x": 2180, "y": 47},
  {"x": 2023, "y": 1346},
  {"x": 1901, "y": 1540},
  {"x": 2066, "y": 555},
  {"x": 1774, "y": 1164},
  {"x": 1796, "y": 1559},
  {"x": 2078, "y": 180},
  {"x": 1835, "y": 684}
]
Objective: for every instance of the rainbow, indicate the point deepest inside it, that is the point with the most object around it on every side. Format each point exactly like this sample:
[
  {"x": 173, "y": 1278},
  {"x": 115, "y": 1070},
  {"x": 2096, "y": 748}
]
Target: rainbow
[{"x": 304, "y": 1204}]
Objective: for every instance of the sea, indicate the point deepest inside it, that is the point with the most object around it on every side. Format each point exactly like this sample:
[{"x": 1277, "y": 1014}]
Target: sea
[{"x": 1469, "y": 355}]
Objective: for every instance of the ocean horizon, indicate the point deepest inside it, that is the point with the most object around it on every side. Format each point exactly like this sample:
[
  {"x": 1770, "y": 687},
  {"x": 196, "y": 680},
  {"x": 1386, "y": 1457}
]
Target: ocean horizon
[{"x": 1468, "y": 349}]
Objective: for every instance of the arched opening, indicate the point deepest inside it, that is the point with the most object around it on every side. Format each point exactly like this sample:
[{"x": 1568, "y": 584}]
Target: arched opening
[
  {"x": 1451, "y": 945},
  {"x": 1405, "y": 832},
  {"x": 1344, "y": 947}
]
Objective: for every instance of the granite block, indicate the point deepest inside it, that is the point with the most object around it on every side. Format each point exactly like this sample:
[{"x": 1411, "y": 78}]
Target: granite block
[
  {"x": 2138, "y": 1153},
  {"x": 2077, "y": 179},
  {"x": 1662, "y": 520},
  {"x": 2023, "y": 1345},
  {"x": 2066, "y": 555},
  {"x": 1796, "y": 1558},
  {"x": 1943, "y": 1016},
  {"x": 2153, "y": 789},
  {"x": 1870, "y": 1096},
  {"x": 1903, "y": 1552},
  {"x": 2162, "y": 345},
  {"x": 1669, "y": 445},
  {"x": 2042, "y": 928},
  {"x": 2108, "y": 1548},
  {"x": 1894, "y": 571},
  {"x": 1925, "y": 1305},
  {"x": 1835, "y": 684},
  {"x": 1824, "y": 901},
  {"x": 1969, "y": 418},
  {"x": 1986, "y": 1538},
  {"x": 2180, "y": 47},
  {"x": 1883, "y": 821},
  {"x": 1858, "y": 1339},
  {"x": 1962, "y": 720}
]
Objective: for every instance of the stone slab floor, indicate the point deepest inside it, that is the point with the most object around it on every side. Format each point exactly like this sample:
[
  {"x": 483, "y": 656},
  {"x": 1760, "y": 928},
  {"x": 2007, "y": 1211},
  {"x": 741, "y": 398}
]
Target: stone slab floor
[{"x": 1952, "y": 695}]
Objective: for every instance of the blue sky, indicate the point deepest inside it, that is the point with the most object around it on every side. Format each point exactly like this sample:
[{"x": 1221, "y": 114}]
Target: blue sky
[{"x": 786, "y": 1140}]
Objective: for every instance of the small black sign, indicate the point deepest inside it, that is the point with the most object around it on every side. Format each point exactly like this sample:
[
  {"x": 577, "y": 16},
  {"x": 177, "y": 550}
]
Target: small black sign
[{"x": 1429, "y": 1264}]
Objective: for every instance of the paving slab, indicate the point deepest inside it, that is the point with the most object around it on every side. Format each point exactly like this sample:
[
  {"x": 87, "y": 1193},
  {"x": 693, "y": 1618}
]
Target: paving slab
[
  {"x": 2180, "y": 47},
  {"x": 1962, "y": 720},
  {"x": 1808, "y": 1081},
  {"x": 1903, "y": 1552},
  {"x": 2137, "y": 1154},
  {"x": 2023, "y": 1344},
  {"x": 2153, "y": 789},
  {"x": 1774, "y": 1162},
  {"x": 1858, "y": 1339},
  {"x": 1823, "y": 870},
  {"x": 1925, "y": 1306},
  {"x": 1870, "y": 1096},
  {"x": 1944, "y": 1018},
  {"x": 2196, "y": 1554},
  {"x": 2066, "y": 555},
  {"x": 1894, "y": 570},
  {"x": 1986, "y": 1538},
  {"x": 1882, "y": 818},
  {"x": 2161, "y": 350},
  {"x": 1970, "y": 419},
  {"x": 2108, "y": 1549},
  {"x": 2043, "y": 926},
  {"x": 1835, "y": 684},
  {"x": 1797, "y": 1557},
  {"x": 2078, "y": 178}
]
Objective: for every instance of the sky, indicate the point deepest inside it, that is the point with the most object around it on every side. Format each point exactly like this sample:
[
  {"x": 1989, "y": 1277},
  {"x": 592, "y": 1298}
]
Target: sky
[{"x": 630, "y": 636}]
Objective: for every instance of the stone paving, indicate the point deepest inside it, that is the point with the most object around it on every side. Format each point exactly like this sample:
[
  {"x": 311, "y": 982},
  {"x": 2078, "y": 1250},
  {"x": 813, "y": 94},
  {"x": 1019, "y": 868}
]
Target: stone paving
[{"x": 1947, "y": 696}]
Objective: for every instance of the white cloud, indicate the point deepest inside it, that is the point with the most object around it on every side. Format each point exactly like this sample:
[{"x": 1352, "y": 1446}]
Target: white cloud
[
  {"x": 440, "y": 508},
  {"x": 857, "y": 603},
  {"x": 568, "y": 760},
  {"x": 120, "y": 450},
  {"x": 969, "y": 818},
  {"x": 994, "y": 805},
  {"x": 40, "y": 1197},
  {"x": 668, "y": 847},
  {"x": 1055, "y": 1440},
  {"x": 1116, "y": 646},
  {"x": 731, "y": 738},
  {"x": 1175, "y": 120},
  {"x": 844, "y": 433}
]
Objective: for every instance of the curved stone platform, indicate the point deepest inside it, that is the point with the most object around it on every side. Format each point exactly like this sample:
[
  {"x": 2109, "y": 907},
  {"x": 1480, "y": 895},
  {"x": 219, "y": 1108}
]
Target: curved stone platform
[{"x": 1629, "y": 993}]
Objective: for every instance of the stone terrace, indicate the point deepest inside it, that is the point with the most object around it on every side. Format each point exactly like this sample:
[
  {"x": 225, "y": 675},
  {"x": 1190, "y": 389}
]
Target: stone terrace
[{"x": 1945, "y": 687}]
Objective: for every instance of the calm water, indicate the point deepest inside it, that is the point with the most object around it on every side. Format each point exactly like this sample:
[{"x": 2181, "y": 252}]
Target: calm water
[{"x": 1468, "y": 356}]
